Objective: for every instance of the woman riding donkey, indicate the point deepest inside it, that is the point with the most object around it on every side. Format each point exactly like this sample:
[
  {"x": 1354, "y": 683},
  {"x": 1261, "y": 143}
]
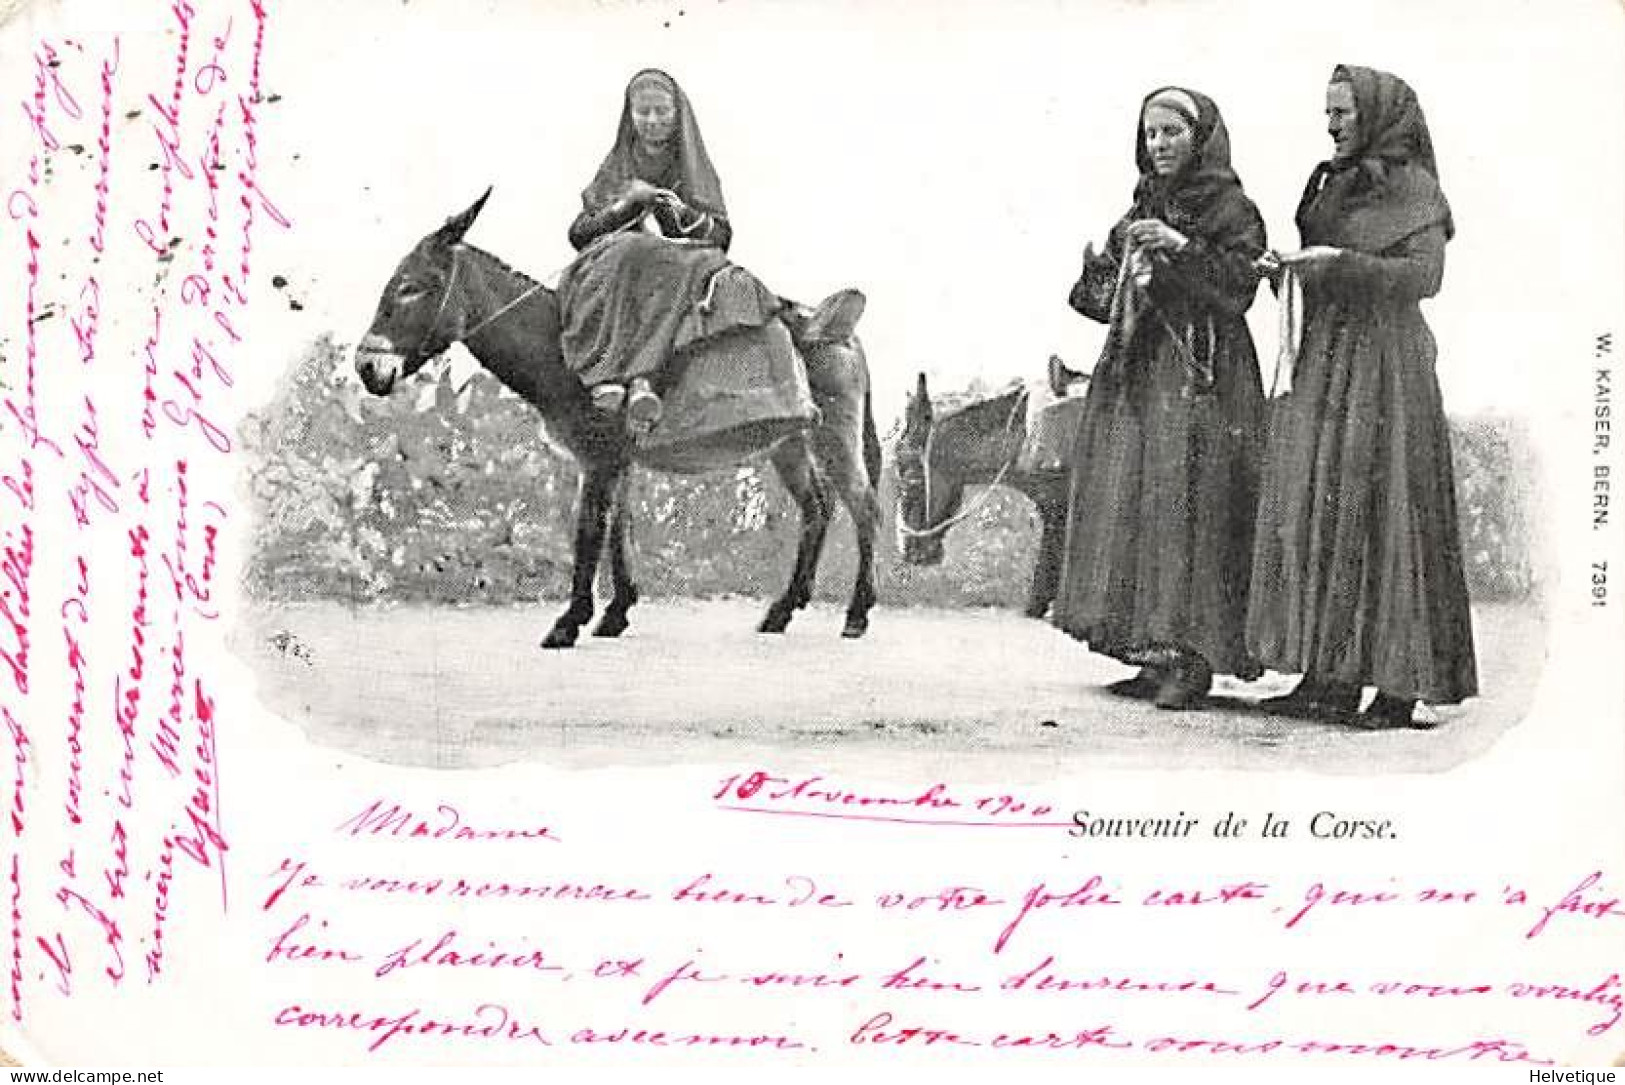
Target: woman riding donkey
[{"x": 653, "y": 278}]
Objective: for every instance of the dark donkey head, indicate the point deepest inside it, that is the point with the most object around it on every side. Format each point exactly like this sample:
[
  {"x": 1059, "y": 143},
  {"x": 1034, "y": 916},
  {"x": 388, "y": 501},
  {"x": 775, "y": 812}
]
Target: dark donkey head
[
  {"x": 920, "y": 545},
  {"x": 975, "y": 443},
  {"x": 419, "y": 313}
]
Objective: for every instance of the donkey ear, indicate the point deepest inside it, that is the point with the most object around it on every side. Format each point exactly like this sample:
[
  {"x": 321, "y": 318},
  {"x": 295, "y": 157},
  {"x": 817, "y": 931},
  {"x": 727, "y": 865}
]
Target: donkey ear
[
  {"x": 920, "y": 391},
  {"x": 456, "y": 226}
]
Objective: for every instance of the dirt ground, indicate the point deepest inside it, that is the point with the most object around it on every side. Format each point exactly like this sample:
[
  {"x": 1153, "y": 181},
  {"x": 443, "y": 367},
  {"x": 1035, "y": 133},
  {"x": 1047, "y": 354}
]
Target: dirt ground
[{"x": 458, "y": 688}]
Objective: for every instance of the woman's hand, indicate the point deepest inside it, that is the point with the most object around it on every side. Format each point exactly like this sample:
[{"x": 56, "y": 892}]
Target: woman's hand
[
  {"x": 1268, "y": 264},
  {"x": 1313, "y": 256},
  {"x": 639, "y": 191},
  {"x": 1140, "y": 268},
  {"x": 1156, "y": 235}
]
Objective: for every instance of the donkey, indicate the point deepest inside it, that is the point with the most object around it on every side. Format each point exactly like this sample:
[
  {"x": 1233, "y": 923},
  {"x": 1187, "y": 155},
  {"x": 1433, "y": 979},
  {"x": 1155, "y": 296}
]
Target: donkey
[
  {"x": 978, "y": 443},
  {"x": 446, "y": 291}
]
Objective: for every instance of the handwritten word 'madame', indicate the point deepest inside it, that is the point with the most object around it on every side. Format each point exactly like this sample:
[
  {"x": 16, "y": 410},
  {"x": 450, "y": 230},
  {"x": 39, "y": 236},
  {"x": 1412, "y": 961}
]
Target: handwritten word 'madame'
[{"x": 446, "y": 822}]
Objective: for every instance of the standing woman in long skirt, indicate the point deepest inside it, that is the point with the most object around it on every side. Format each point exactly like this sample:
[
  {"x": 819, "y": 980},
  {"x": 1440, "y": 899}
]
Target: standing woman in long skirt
[
  {"x": 1357, "y": 575},
  {"x": 1164, "y": 477}
]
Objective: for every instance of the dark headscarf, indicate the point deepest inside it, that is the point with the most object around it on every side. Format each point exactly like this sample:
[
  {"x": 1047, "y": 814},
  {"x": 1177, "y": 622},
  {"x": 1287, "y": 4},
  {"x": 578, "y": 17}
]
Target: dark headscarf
[
  {"x": 1389, "y": 188},
  {"x": 1202, "y": 199},
  {"x": 683, "y": 166},
  {"x": 1186, "y": 200}
]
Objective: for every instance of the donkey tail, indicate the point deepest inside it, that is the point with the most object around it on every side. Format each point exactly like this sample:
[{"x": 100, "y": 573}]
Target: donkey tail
[{"x": 871, "y": 440}]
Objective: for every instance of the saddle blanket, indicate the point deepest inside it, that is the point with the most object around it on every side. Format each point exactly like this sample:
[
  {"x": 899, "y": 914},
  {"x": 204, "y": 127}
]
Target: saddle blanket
[{"x": 727, "y": 396}]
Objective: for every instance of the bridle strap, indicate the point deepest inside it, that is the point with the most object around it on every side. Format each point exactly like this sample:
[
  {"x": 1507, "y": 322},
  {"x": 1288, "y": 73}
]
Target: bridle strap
[
  {"x": 981, "y": 498},
  {"x": 445, "y": 299}
]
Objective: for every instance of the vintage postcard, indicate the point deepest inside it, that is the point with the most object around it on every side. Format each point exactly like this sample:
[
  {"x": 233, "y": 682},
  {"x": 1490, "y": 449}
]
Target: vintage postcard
[{"x": 757, "y": 536}]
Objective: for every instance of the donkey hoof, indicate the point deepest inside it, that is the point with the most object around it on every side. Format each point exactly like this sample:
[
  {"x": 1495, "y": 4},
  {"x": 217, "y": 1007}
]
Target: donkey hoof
[
  {"x": 559, "y": 638},
  {"x": 611, "y": 625},
  {"x": 855, "y": 628},
  {"x": 1036, "y": 609},
  {"x": 776, "y": 621}
]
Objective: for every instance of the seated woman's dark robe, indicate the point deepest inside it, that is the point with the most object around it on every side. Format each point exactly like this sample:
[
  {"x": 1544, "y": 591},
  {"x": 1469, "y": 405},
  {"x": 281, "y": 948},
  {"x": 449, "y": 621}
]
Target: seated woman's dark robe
[{"x": 634, "y": 298}]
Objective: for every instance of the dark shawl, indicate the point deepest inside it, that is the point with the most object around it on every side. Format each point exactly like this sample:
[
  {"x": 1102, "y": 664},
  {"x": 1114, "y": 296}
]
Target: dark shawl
[
  {"x": 1389, "y": 189},
  {"x": 684, "y": 167}
]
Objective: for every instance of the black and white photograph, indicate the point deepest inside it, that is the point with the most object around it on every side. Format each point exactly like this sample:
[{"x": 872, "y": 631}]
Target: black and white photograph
[
  {"x": 905, "y": 411},
  {"x": 741, "y": 535}
]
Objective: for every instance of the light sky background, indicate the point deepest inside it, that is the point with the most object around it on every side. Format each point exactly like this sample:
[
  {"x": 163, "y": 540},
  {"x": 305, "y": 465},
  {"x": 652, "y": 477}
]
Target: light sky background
[
  {"x": 952, "y": 159},
  {"x": 948, "y": 159}
]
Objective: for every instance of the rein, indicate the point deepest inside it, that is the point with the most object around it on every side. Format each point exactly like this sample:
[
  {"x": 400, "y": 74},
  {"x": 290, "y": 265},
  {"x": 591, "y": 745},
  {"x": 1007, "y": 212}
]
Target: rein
[
  {"x": 529, "y": 292},
  {"x": 981, "y": 498}
]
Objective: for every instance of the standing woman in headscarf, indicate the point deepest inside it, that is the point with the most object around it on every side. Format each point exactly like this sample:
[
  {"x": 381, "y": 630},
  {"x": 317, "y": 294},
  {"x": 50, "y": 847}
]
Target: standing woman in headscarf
[
  {"x": 653, "y": 235},
  {"x": 1357, "y": 576},
  {"x": 1164, "y": 476}
]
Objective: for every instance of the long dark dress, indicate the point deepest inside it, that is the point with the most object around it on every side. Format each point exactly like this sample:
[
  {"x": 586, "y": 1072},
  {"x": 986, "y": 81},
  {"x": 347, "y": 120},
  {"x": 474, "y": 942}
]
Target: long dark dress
[
  {"x": 1357, "y": 572},
  {"x": 1164, "y": 467},
  {"x": 1165, "y": 464}
]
